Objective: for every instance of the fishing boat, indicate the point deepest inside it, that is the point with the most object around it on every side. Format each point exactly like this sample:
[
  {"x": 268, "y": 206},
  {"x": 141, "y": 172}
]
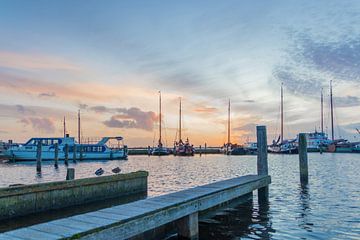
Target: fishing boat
[
  {"x": 316, "y": 141},
  {"x": 160, "y": 150},
  {"x": 230, "y": 148},
  {"x": 182, "y": 148},
  {"x": 101, "y": 150},
  {"x": 281, "y": 145}
]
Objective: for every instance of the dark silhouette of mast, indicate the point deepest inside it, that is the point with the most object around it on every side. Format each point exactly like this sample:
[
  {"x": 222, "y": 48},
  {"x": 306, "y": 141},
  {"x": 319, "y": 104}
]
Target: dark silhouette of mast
[
  {"x": 228, "y": 130},
  {"x": 282, "y": 114},
  {"x": 79, "y": 128},
  {"x": 322, "y": 112},
  {"x": 332, "y": 112},
  {"x": 180, "y": 120},
  {"x": 160, "y": 143}
]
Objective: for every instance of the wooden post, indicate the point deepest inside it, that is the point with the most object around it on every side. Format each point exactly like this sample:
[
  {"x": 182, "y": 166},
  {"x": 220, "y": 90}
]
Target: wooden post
[
  {"x": 74, "y": 153},
  {"x": 70, "y": 174},
  {"x": 200, "y": 150},
  {"x": 38, "y": 156},
  {"x": 81, "y": 152},
  {"x": 56, "y": 155},
  {"x": 303, "y": 159},
  {"x": 188, "y": 227},
  {"x": 66, "y": 157},
  {"x": 262, "y": 162}
]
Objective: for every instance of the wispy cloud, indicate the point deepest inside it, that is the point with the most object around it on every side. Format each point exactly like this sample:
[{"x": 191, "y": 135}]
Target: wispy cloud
[
  {"x": 40, "y": 124},
  {"x": 35, "y": 61},
  {"x": 131, "y": 118}
]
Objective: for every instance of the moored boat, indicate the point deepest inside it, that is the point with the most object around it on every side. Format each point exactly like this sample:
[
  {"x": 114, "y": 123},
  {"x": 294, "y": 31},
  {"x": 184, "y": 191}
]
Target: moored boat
[
  {"x": 101, "y": 150},
  {"x": 182, "y": 148},
  {"x": 160, "y": 150}
]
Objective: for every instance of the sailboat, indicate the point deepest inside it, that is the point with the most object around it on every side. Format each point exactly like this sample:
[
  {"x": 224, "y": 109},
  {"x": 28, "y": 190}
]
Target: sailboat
[
  {"x": 317, "y": 141},
  {"x": 339, "y": 145},
  {"x": 229, "y": 148},
  {"x": 282, "y": 145},
  {"x": 182, "y": 148},
  {"x": 160, "y": 150}
]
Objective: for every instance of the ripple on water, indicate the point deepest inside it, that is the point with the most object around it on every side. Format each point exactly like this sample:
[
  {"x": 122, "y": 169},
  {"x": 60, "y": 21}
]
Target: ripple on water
[{"x": 328, "y": 208}]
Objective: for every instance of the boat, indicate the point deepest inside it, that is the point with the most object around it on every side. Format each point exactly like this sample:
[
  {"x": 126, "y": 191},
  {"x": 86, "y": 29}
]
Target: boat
[
  {"x": 230, "y": 148},
  {"x": 182, "y": 148},
  {"x": 101, "y": 150},
  {"x": 316, "y": 141},
  {"x": 281, "y": 145},
  {"x": 250, "y": 148},
  {"x": 160, "y": 150}
]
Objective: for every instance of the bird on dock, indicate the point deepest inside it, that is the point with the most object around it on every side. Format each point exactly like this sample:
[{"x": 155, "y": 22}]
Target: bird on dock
[
  {"x": 99, "y": 172},
  {"x": 116, "y": 170}
]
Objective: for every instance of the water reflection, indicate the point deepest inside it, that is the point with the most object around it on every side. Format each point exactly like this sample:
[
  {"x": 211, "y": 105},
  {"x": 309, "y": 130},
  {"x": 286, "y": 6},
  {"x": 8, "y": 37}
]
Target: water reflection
[
  {"x": 249, "y": 220},
  {"x": 305, "y": 210}
]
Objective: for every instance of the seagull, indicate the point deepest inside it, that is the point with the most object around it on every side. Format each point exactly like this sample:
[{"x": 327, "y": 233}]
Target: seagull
[
  {"x": 99, "y": 172},
  {"x": 116, "y": 170}
]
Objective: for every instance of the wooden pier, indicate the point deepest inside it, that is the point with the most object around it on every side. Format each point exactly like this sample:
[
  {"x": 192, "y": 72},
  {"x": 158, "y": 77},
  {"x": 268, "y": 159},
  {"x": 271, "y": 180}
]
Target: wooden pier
[{"x": 129, "y": 220}]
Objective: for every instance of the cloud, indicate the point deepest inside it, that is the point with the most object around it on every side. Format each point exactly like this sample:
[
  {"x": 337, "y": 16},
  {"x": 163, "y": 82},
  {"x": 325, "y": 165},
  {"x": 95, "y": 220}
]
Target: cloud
[
  {"x": 35, "y": 61},
  {"x": 47, "y": 94},
  {"x": 348, "y": 101},
  {"x": 130, "y": 118},
  {"x": 205, "y": 109},
  {"x": 40, "y": 124}
]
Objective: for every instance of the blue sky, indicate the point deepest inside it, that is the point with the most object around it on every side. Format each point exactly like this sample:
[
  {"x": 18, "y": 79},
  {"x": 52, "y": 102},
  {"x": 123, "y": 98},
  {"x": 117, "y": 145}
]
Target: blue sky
[{"x": 57, "y": 56}]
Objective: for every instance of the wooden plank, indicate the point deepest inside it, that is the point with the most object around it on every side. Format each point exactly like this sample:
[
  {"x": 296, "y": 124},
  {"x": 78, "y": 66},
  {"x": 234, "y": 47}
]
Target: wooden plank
[
  {"x": 55, "y": 229},
  {"x": 27, "y": 233}
]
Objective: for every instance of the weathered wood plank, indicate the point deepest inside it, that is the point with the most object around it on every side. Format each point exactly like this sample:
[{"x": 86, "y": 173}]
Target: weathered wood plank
[{"x": 128, "y": 220}]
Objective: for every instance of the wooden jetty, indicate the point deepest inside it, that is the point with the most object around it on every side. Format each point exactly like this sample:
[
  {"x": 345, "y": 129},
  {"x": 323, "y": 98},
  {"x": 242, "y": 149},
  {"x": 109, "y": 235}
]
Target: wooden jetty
[{"x": 134, "y": 219}]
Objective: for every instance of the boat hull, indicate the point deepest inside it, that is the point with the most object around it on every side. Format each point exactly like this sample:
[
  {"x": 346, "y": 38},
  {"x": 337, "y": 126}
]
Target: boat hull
[{"x": 49, "y": 156}]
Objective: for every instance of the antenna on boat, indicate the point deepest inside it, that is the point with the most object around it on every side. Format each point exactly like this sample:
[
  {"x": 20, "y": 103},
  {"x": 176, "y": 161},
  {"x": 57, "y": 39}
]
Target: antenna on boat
[
  {"x": 332, "y": 111},
  {"x": 160, "y": 118},
  {"x": 282, "y": 114},
  {"x": 79, "y": 131},
  {"x": 180, "y": 120},
  {"x": 64, "y": 127},
  {"x": 322, "y": 111},
  {"x": 228, "y": 140}
]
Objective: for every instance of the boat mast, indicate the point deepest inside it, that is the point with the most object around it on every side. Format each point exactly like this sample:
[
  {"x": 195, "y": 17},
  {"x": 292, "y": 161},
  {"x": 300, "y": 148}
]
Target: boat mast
[
  {"x": 228, "y": 130},
  {"x": 282, "y": 114},
  {"x": 160, "y": 118},
  {"x": 322, "y": 111},
  {"x": 64, "y": 127},
  {"x": 332, "y": 111},
  {"x": 79, "y": 129},
  {"x": 180, "y": 121}
]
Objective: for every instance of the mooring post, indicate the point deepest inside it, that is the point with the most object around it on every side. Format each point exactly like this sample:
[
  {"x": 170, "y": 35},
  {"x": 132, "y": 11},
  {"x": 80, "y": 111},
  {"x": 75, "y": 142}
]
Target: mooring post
[
  {"x": 66, "y": 157},
  {"x": 70, "y": 174},
  {"x": 38, "y": 156},
  {"x": 188, "y": 227},
  {"x": 303, "y": 159},
  {"x": 205, "y": 148},
  {"x": 56, "y": 155},
  {"x": 200, "y": 150},
  {"x": 81, "y": 152},
  {"x": 74, "y": 153},
  {"x": 262, "y": 161}
]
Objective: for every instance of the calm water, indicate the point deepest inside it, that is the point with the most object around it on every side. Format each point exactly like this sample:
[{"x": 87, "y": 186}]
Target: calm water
[{"x": 329, "y": 208}]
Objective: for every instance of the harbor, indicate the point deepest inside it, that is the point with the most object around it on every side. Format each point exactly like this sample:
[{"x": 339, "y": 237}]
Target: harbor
[{"x": 303, "y": 211}]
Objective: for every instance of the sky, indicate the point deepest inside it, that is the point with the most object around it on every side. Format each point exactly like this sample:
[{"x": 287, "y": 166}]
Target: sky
[{"x": 110, "y": 58}]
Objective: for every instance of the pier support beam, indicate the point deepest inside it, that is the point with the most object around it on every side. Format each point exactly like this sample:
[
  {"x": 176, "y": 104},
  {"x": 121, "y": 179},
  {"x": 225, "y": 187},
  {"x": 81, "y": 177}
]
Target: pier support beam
[
  {"x": 262, "y": 162},
  {"x": 303, "y": 159},
  {"x": 188, "y": 227},
  {"x": 56, "y": 155},
  {"x": 38, "y": 157},
  {"x": 70, "y": 174}
]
